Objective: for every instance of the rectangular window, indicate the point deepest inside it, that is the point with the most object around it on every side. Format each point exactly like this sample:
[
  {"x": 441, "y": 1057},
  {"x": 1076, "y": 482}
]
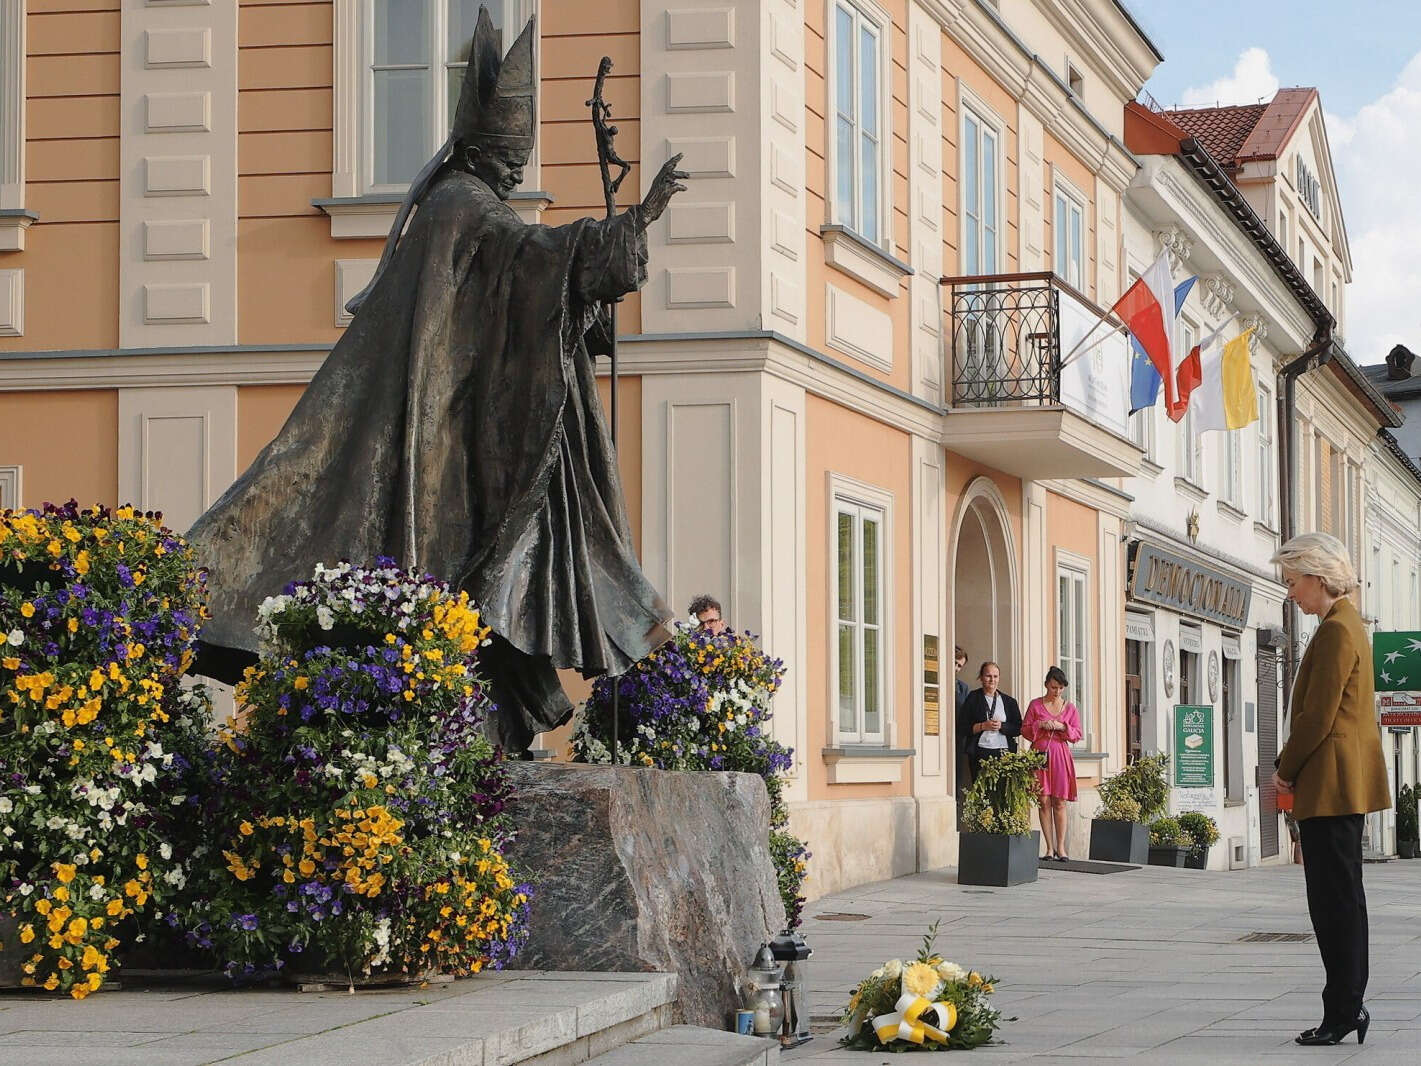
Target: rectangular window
[
  {"x": 980, "y": 178},
  {"x": 12, "y": 105},
  {"x": 1283, "y": 230},
  {"x": 1188, "y": 678},
  {"x": 857, "y": 76},
  {"x": 1073, "y": 640},
  {"x": 1230, "y": 694},
  {"x": 1070, "y": 239},
  {"x": 1265, "y": 457},
  {"x": 416, "y": 52},
  {"x": 859, "y": 536},
  {"x": 1142, "y": 431}
]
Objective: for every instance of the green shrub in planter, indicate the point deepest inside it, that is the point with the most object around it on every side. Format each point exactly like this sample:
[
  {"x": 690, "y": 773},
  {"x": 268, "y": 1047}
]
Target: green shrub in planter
[
  {"x": 1167, "y": 833},
  {"x": 1203, "y": 833},
  {"x": 1143, "y": 781},
  {"x": 1406, "y": 822},
  {"x": 1001, "y": 798}
]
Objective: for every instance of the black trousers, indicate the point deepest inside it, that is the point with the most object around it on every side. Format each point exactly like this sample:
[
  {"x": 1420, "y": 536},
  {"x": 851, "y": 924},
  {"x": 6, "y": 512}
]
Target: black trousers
[{"x": 1332, "y": 865}]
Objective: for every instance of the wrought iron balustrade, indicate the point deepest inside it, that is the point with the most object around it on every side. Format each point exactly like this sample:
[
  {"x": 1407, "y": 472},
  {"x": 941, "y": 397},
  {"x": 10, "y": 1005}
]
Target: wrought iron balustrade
[
  {"x": 1007, "y": 337},
  {"x": 1006, "y": 340}
]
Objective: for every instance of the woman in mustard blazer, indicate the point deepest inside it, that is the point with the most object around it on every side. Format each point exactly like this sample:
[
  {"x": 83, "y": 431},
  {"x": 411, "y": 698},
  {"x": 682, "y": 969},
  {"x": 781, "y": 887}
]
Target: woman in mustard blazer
[{"x": 1332, "y": 763}]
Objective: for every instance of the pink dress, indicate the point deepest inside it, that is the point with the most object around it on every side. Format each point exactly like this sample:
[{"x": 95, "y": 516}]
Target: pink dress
[{"x": 1059, "y": 777}]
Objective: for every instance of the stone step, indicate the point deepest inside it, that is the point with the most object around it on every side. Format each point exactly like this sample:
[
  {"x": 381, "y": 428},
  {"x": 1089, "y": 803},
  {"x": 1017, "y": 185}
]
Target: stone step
[
  {"x": 523, "y": 1018},
  {"x": 689, "y": 1045}
]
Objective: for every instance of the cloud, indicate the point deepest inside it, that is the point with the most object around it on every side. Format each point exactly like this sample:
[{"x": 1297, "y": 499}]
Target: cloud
[
  {"x": 1374, "y": 152},
  {"x": 1252, "y": 80}
]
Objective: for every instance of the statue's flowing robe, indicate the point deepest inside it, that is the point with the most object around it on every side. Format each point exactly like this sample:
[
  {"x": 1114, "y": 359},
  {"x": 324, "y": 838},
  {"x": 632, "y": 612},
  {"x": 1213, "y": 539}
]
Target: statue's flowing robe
[{"x": 456, "y": 427}]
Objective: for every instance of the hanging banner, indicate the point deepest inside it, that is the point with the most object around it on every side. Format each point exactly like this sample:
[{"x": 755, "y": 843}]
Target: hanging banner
[
  {"x": 1193, "y": 746},
  {"x": 1396, "y": 658}
]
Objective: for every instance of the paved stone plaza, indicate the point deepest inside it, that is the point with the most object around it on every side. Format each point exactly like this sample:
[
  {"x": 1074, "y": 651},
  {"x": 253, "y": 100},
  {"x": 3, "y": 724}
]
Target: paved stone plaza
[{"x": 1144, "y": 964}]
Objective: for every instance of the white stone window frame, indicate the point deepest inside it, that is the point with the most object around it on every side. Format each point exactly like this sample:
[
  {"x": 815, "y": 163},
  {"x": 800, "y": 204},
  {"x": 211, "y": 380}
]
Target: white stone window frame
[
  {"x": 972, "y": 106},
  {"x": 864, "y": 13},
  {"x": 1231, "y": 468},
  {"x": 1065, "y": 194},
  {"x": 356, "y": 208},
  {"x": 1076, "y": 570},
  {"x": 1266, "y": 461},
  {"x": 15, "y": 218},
  {"x": 11, "y": 487},
  {"x": 855, "y": 496},
  {"x": 1189, "y": 445}
]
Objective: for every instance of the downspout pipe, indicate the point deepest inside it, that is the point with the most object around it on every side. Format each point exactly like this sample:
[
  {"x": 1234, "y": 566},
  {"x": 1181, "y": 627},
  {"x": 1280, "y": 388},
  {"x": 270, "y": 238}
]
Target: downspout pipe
[{"x": 1319, "y": 355}]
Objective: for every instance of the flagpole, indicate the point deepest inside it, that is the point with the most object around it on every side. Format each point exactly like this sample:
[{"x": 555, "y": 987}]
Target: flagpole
[{"x": 1076, "y": 351}]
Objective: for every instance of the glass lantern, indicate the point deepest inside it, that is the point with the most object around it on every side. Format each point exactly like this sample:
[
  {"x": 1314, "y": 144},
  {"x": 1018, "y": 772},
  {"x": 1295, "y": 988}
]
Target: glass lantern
[
  {"x": 791, "y": 951},
  {"x": 763, "y": 994}
]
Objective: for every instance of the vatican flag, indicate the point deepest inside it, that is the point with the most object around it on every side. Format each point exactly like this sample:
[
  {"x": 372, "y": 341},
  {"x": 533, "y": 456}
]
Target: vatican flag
[{"x": 1227, "y": 396}]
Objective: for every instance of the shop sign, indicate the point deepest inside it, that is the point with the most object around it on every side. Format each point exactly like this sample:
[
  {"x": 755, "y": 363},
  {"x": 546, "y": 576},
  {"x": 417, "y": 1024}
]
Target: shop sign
[
  {"x": 1139, "y": 627},
  {"x": 1171, "y": 581},
  {"x": 1193, "y": 746},
  {"x": 1399, "y": 710},
  {"x": 1396, "y": 658}
]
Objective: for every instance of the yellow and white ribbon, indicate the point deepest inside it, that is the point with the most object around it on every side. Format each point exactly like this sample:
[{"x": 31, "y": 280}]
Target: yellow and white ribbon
[{"x": 916, "y": 1019}]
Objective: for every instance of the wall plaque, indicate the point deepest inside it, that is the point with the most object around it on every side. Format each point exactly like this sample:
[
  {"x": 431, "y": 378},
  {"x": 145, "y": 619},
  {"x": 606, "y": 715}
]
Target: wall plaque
[
  {"x": 1161, "y": 577},
  {"x": 932, "y": 708}
]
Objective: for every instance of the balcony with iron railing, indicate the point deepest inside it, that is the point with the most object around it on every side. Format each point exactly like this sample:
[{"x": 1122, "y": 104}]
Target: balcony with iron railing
[{"x": 1040, "y": 379}]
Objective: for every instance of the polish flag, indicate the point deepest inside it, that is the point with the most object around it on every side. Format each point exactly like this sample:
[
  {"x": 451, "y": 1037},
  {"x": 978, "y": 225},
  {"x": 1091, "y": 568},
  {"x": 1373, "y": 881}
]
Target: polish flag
[{"x": 1148, "y": 311}]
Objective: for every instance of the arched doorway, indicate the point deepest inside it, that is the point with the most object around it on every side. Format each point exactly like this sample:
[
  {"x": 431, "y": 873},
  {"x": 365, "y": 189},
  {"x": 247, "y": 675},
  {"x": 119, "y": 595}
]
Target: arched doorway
[{"x": 982, "y": 587}]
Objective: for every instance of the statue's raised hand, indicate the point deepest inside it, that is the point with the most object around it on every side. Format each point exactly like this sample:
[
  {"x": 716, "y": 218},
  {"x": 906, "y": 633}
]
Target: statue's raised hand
[{"x": 666, "y": 184}]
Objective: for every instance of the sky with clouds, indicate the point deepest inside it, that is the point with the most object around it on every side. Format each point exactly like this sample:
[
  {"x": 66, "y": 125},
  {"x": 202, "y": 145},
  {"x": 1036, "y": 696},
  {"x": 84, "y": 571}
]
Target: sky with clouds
[{"x": 1366, "y": 64}]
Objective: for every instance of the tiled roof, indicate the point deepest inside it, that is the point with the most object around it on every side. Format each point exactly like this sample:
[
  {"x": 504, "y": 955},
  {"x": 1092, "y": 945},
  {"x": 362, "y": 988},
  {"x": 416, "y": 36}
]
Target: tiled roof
[
  {"x": 1236, "y": 134},
  {"x": 1221, "y": 130}
]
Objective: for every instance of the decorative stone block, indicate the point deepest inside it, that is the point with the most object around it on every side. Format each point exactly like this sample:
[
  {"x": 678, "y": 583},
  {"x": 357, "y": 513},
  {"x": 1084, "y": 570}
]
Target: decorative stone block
[{"x": 647, "y": 870}]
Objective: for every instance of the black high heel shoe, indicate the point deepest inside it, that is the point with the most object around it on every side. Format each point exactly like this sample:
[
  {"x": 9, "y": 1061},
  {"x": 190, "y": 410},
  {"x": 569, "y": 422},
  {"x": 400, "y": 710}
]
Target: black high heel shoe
[{"x": 1327, "y": 1035}]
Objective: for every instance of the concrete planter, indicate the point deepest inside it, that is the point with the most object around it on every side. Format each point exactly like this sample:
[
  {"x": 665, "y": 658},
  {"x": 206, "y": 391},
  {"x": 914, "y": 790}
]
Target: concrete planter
[
  {"x": 1196, "y": 859},
  {"x": 13, "y": 953},
  {"x": 997, "y": 859},
  {"x": 1406, "y": 849},
  {"x": 1112, "y": 841},
  {"x": 1168, "y": 855}
]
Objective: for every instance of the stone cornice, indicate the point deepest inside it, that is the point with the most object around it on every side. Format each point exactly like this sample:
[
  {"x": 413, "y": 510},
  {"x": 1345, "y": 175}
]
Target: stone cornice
[
  {"x": 1198, "y": 218},
  {"x": 979, "y": 30}
]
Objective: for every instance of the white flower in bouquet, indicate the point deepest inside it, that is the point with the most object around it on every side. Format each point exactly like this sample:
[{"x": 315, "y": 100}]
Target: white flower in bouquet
[
  {"x": 893, "y": 969},
  {"x": 950, "y": 971}
]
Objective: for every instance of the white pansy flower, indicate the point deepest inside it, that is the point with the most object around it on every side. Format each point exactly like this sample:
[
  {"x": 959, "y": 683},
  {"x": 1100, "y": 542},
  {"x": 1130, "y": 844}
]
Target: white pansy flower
[
  {"x": 15, "y": 638},
  {"x": 6, "y": 805},
  {"x": 165, "y": 850}
]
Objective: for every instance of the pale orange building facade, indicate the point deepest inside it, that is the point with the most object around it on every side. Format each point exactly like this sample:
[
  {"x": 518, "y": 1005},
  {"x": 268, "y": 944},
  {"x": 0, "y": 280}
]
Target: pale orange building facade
[{"x": 866, "y": 464}]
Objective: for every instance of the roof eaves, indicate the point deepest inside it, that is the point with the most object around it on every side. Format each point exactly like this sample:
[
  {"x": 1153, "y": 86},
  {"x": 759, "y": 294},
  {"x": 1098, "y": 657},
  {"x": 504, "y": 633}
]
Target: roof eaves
[
  {"x": 1390, "y": 443},
  {"x": 1388, "y": 414}
]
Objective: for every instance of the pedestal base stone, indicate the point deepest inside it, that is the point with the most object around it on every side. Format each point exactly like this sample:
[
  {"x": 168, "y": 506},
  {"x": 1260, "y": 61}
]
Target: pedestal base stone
[{"x": 651, "y": 870}]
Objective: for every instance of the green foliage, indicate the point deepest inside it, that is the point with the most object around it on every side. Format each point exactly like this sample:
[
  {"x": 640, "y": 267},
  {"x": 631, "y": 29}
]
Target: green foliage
[
  {"x": 1406, "y": 820},
  {"x": 1167, "y": 833},
  {"x": 1119, "y": 807},
  {"x": 1001, "y": 798},
  {"x": 1144, "y": 781},
  {"x": 1202, "y": 830}
]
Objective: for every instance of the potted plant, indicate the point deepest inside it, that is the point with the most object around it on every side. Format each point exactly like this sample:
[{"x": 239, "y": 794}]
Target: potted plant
[
  {"x": 1169, "y": 843},
  {"x": 1203, "y": 834},
  {"x": 997, "y": 845},
  {"x": 1128, "y": 800},
  {"x": 1406, "y": 823}
]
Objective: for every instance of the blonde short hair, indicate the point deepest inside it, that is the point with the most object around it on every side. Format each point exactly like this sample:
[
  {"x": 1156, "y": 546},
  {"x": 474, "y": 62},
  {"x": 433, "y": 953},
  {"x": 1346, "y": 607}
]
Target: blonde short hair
[{"x": 1324, "y": 557}]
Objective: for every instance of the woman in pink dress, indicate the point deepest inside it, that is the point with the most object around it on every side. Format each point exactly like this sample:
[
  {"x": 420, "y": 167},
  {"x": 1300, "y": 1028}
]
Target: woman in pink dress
[{"x": 1053, "y": 725}]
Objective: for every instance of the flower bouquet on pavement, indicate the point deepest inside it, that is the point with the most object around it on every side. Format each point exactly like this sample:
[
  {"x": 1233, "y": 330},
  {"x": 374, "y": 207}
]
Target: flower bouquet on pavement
[{"x": 928, "y": 1004}]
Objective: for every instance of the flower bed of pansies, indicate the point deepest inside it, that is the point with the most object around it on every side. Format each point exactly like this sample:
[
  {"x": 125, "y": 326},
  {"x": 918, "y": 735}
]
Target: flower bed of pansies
[
  {"x": 925, "y": 1004},
  {"x": 98, "y": 613},
  {"x": 355, "y": 808},
  {"x": 702, "y": 701}
]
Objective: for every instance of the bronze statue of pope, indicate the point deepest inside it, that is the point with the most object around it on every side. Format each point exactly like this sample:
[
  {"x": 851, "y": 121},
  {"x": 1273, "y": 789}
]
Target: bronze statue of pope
[{"x": 456, "y": 425}]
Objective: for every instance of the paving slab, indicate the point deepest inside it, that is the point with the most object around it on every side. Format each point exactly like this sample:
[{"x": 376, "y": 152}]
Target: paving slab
[{"x": 1148, "y": 964}]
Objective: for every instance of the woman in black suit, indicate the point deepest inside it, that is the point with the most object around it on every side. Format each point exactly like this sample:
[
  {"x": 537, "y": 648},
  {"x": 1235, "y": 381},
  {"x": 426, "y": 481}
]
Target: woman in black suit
[{"x": 990, "y": 720}]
